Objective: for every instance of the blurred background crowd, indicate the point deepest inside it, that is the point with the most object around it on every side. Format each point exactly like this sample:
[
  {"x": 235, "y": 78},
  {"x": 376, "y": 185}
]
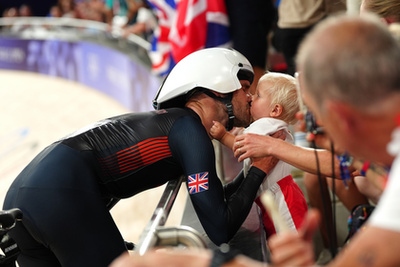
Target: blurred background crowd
[
  {"x": 123, "y": 13},
  {"x": 267, "y": 32},
  {"x": 155, "y": 20}
]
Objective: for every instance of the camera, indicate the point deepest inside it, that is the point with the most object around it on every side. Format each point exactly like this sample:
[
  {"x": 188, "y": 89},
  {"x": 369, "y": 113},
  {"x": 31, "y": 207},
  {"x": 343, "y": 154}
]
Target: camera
[{"x": 311, "y": 123}]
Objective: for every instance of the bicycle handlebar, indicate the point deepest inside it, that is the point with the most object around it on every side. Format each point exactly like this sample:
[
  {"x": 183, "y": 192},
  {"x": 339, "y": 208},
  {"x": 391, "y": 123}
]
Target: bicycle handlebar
[{"x": 8, "y": 218}]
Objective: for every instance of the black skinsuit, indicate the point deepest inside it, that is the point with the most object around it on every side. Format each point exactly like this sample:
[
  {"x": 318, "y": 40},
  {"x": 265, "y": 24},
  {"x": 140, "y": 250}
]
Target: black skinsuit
[{"x": 63, "y": 191}]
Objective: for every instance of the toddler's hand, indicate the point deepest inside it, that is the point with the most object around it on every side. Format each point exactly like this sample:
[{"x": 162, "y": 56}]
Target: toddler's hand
[{"x": 217, "y": 131}]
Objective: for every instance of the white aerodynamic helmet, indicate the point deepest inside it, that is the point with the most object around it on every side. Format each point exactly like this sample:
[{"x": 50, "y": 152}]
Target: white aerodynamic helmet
[{"x": 217, "y": 69}]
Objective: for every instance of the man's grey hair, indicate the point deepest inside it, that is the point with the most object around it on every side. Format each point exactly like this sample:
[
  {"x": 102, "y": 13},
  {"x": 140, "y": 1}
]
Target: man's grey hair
[{"x": 351, "y": 59}]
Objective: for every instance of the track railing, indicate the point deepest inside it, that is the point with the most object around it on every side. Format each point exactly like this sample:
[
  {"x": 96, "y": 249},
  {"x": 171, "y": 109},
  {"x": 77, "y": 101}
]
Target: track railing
[
  {"x": 155, "y": 234},
  {"x": 48, "y": 27}
]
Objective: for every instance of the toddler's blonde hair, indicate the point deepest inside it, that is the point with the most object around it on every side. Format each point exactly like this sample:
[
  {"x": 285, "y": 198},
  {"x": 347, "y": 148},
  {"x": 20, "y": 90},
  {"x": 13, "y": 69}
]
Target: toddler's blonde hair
[{"x": 283, "y": 92}]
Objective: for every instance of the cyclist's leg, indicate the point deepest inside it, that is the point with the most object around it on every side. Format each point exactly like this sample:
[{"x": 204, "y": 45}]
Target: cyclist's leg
[
  {"x": 73, "y": 234},
  {"x": 64, "y": 211},
  {"x": 32, "y": 253},
  {"x": 84, "y": 233}
]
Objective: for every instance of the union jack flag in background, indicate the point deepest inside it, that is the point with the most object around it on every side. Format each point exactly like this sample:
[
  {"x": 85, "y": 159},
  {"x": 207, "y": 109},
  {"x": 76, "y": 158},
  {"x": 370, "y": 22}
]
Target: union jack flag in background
[
  {"x": 198, "y": 182},
  {"x": 185, "y": 26}
]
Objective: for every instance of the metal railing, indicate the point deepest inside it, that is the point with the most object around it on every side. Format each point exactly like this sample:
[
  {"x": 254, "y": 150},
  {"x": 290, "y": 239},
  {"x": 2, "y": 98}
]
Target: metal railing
[
  {"x": 56, "y": 27},
  {"x": 155, "y": 234}
]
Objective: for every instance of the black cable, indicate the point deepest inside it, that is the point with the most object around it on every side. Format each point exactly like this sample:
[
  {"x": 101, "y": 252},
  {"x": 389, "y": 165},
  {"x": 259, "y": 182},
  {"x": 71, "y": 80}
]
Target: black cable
[
  {"x": 334, "y": 234},
  {"x": 332, "y": 247}
]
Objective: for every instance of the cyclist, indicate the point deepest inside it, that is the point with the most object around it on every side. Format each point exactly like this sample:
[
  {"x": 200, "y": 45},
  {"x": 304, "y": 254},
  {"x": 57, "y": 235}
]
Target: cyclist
[{"x": 63, "y": 192}]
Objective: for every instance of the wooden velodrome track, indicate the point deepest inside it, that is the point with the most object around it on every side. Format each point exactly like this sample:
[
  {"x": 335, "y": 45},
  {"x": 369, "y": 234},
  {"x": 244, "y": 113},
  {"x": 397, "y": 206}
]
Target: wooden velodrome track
[{"x": 37, "y": 110}]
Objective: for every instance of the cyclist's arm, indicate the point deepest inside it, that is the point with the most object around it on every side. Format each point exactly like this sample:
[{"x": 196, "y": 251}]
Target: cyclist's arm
[
  {"x": 220, "y": 217},
  {"x": 231, "y": 187}
]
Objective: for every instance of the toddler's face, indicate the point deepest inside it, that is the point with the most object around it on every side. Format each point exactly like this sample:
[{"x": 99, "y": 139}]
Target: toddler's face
[{"x": 261, "y": 104}]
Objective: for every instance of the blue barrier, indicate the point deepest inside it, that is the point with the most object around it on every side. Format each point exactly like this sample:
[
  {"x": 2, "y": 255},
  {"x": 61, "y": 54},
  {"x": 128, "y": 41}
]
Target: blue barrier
[{"x": 121, "y": 76}]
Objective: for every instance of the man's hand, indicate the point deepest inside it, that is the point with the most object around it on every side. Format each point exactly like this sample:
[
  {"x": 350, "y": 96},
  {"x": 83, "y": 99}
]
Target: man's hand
[
  {"x": 266, "y": 164},
  {"x": 255, "y": 145}
]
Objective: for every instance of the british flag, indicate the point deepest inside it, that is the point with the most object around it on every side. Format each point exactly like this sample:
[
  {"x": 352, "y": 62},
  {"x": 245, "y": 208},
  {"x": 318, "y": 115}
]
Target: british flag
[
  {"x": 198, "y": 182},
  {"x": 185, "y": 26}
]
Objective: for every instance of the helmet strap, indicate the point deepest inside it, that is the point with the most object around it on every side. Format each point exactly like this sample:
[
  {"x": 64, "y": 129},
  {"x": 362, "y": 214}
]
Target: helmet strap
[{"x": 227, "y": 101}]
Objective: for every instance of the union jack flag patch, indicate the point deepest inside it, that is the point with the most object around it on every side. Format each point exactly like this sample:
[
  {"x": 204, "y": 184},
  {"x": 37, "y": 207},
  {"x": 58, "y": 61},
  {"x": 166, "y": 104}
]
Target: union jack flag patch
[{"x": 198, "y": 182}]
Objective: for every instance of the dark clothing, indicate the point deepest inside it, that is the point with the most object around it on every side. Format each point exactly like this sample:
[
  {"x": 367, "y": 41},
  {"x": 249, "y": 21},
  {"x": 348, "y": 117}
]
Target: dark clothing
[
  {"x": 63, "y": 191},
  {"x": 250, "y": 22},
  {"x": 287, "y": 41}
]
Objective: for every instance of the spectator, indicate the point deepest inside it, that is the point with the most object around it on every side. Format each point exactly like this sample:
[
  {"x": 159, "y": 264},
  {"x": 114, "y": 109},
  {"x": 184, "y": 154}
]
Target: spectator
[
  {"x": 55, "y": 11},
  {"x": 295, "y": 19},
  {"x": 388, "y": 11},
  {"x": 250, "y": 23},
  {"x": 121, "y": 13},
  {"x": 90, "y": 10},
  {"x": 67, "y": 8},
  {"x": 358, "y": 109},
  {"x": 144, "y": 25},
  {"x": 10, "y": 12},
  {"x": 25, "y": 11}
]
